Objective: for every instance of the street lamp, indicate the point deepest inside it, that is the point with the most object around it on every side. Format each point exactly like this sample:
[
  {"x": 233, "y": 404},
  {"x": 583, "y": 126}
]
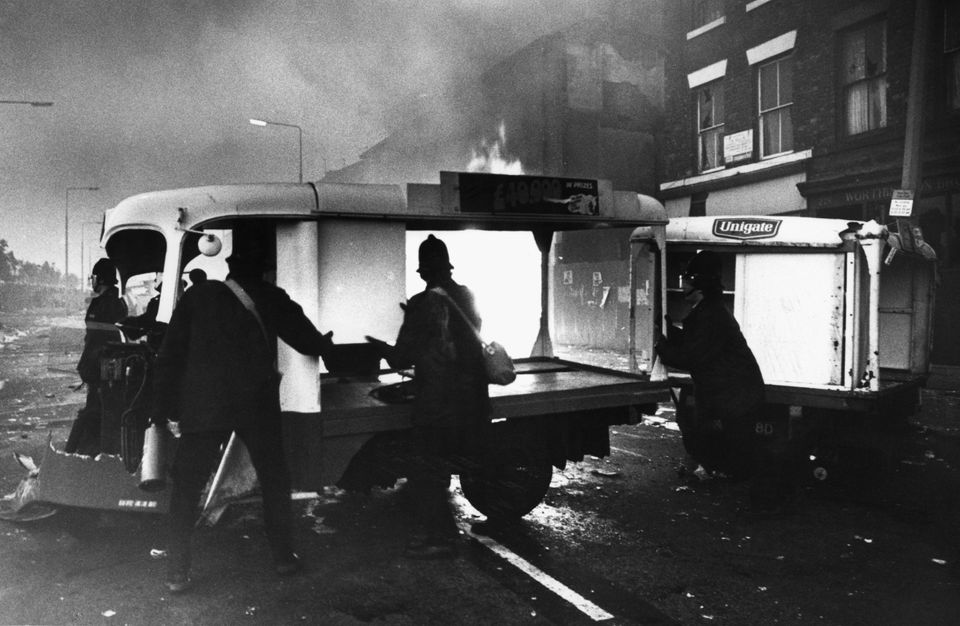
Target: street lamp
[
  {"x": 32, "y": 103},
  {"x": 66, "y": 231},
  {"x": 83, "y": 239},
  {"x": 256, "y": 122}
]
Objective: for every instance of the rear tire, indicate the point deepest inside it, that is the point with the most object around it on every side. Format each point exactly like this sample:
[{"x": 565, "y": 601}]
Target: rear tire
[{"x": 512, "y": 485}]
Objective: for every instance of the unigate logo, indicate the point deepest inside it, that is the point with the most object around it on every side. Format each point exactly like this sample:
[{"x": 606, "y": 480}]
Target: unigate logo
[{"x": 746, "y": 228}]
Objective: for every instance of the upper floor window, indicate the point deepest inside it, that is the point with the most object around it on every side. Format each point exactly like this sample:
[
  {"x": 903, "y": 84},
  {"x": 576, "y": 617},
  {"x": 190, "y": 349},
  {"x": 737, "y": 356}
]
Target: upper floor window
[
  {"x": 863, "y": 72},
  {"x": 951, "y": 48},
  {"x": 776, "y": 100},
  {"x": 710, "y": 126},
  {"x": 705, "y": 11}
]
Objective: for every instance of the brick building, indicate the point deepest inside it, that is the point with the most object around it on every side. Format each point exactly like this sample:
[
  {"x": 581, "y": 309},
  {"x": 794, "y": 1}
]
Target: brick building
[{"x": 778, "y": 106}]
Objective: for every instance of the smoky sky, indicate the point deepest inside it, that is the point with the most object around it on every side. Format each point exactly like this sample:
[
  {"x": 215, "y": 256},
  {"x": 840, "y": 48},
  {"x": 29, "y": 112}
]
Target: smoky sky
[{"x": 157, "y": 95}]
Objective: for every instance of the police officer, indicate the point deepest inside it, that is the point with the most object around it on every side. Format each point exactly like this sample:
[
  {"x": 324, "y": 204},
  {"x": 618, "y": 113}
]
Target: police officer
[
  {"x": 729, "y": 392},
  {"x": 451, "y": 409},
  {"x": 216, "y": 374},
  {"x": 728, "y": 385},
  {"x": 105, "y": 310}
]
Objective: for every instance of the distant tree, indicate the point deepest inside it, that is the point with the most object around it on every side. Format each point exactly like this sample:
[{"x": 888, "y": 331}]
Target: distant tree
[
  {"x": 49, "y": 275},
  {"x": 7, "y": 261},
  {"x": 14, "y": 270},
  {"x": 29, "y": 273}
]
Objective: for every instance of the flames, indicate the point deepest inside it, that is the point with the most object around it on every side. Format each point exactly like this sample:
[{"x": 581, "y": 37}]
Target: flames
[{"x": 490, "y": 157}]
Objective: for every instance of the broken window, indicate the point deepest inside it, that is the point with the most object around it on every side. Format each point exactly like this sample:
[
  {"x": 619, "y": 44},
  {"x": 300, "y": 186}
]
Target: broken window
[{"x": 710, "y": 126}]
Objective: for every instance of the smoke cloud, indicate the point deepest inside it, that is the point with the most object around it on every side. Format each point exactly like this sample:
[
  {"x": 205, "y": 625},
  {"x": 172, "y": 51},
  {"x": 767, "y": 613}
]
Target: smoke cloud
[{"x": 154, "y": 95}]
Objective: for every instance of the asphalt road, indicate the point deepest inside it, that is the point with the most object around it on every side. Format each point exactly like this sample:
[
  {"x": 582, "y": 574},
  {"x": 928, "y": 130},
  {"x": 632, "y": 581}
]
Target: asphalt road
[{"x": 621, "y": 540}]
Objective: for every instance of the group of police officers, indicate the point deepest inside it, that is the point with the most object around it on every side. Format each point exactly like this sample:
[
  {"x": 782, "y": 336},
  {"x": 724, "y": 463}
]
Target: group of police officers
[{"x": 216, "y": 374}]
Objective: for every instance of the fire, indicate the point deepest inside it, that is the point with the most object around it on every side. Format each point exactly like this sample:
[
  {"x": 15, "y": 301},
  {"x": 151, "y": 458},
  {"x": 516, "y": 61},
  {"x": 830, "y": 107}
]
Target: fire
[{"x": 490, "y": 157}]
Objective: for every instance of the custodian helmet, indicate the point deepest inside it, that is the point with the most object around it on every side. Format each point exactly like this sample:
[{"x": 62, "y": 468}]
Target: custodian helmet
[
  {"x": 703, "y": 271},
  {"x": 433, "y": 255},
  {"x": 105, "y": 272}
]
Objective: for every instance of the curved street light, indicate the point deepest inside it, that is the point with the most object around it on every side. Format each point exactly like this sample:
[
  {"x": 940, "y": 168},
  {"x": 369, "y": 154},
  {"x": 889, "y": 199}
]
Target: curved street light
[
  {"x": 257, "y": 122},
  {"x": 32, "y": 103}
]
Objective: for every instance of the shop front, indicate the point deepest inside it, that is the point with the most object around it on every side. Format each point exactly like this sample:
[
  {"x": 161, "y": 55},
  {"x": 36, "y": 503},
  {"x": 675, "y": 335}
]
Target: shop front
[{"x": 936, "y": 212}]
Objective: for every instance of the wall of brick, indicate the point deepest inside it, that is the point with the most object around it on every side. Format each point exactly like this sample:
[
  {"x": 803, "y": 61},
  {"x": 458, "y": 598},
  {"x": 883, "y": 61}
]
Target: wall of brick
[{"x": 817, "y": 101}]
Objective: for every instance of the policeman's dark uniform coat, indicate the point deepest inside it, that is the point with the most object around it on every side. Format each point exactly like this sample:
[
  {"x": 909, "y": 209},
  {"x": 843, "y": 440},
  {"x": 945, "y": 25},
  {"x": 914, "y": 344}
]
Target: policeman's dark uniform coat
[
  {"x": 728, "y": 384},
  {"x": 451, "y": 406},
  {"x": 104, "y": 311},
  {"x": 216, "y": 374},
  {"x": 451, "y": 400}
]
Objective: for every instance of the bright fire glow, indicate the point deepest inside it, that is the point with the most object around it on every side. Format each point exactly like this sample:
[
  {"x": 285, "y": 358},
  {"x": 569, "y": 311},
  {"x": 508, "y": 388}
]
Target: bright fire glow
[
  {"x": 502, "y": 269},
  {"x": 491, "y": 159}
]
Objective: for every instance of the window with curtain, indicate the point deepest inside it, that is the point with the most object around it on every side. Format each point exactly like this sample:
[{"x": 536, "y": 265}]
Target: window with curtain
[
  {"x": 864, "y": 77},
  {"x": 710, "y": 126},
  {"x": 951, "y": 48},
  {"x": 705, "y": 11},
  {"x": 775, "y": 89}
]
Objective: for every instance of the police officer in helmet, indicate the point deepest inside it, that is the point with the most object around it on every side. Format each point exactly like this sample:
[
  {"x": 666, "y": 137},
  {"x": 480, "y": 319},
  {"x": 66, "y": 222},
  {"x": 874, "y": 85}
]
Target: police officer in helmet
[{"x": 105, "y": 310}]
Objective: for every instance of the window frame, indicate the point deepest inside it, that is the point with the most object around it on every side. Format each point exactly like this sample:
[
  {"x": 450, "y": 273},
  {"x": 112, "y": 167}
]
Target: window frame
[
  {"x": 779, "y": 107},
  {"x": 715, "y": 128},
  {"x": 879, "y": 78}
]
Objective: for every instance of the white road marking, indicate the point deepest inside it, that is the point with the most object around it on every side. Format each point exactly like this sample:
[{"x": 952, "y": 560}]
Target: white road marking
[{"x": 584, "y": 605}]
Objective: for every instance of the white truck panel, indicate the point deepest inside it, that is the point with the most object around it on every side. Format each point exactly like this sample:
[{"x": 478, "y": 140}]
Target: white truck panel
[{"x": 795, "y": 327}]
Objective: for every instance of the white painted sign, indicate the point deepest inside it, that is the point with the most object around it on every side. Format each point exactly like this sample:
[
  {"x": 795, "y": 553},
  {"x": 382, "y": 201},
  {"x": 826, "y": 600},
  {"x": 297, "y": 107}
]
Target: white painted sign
[
  {"x": 738, "y": 146},
  {"x": 901, "y": 203}
]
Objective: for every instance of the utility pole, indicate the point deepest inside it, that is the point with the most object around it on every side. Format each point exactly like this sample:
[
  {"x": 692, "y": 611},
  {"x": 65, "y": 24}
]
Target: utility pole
[{"x": 912, "y": 175}]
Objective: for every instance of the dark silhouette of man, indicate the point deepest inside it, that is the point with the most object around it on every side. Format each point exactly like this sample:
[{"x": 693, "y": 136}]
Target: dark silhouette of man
[
  {"x": 105, "y": 310},
  {"x": 728, "y": 387},
  {"x": 451, "y": 406},
  {"x": 216, "y": 374}
]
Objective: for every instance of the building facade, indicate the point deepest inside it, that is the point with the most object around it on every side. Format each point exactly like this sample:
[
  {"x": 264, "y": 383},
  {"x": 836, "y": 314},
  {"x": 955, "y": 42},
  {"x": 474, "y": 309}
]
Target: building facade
[{"x": 787, "y": 107}]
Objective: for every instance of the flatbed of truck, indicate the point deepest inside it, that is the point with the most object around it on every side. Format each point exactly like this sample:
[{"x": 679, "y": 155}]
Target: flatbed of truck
[
  {"x": 895, "y": 394},
  {"x": 543, "y": 386}
]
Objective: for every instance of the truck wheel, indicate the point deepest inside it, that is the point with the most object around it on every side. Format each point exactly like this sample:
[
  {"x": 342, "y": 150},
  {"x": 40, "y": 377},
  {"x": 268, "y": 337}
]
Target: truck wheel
[{"x": 512, "y": 486}]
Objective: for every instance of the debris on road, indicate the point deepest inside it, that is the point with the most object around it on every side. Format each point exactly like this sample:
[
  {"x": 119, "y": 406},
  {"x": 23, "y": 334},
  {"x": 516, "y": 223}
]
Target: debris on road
[{"x": 606, "y": 473}]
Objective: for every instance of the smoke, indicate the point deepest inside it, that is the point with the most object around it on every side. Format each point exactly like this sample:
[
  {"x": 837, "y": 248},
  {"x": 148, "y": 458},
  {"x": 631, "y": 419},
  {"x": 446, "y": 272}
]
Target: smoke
[{"x": 152, "y": 95}]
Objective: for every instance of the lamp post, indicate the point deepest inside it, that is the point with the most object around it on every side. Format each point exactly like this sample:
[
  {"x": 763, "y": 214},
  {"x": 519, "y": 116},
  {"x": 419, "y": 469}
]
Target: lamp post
[
  {"x": 66, "y": 231},
  {"x": 83, "y": 239},
  {"x": 257, "y": 122}
]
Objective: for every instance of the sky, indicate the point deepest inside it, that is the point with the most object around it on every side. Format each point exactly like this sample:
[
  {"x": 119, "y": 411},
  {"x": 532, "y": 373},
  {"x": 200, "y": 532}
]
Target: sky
[{"x": 157, "y": 95}]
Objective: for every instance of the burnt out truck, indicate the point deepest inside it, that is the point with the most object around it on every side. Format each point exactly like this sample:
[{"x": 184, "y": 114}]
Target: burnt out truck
[
  {"x": 838, "y": 314},
  {"x": 340, "y": 251}
]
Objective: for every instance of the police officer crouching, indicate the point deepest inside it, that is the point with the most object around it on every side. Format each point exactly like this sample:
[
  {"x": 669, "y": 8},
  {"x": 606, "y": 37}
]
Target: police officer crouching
[{"x": 728, "y": 389}]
